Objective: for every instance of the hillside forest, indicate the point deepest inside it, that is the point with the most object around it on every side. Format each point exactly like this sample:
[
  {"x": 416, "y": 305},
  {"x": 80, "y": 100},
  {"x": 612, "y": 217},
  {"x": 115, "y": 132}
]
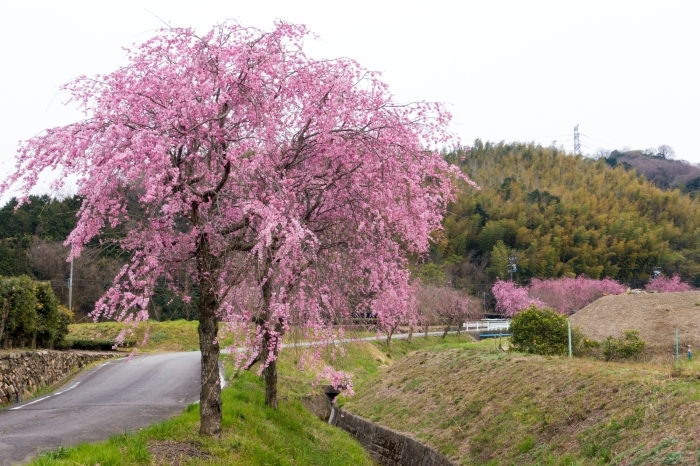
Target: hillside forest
[
  {"x": 551, "y": 213},
  {"x": 560, "y": 215},
  {"x": 31, "y": 244}
]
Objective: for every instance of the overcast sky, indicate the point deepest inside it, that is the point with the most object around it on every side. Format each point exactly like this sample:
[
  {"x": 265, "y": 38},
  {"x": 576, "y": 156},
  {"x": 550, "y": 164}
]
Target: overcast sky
[{"x": 627, "y": 72}]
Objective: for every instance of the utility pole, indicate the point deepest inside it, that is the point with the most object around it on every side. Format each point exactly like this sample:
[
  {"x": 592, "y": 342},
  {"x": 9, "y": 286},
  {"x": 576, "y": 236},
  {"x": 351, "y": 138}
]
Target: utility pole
[
  {"x": 512, "y": 268},
  {"x": 577, "y": 141},
  {"x": 70, "y": 287}
]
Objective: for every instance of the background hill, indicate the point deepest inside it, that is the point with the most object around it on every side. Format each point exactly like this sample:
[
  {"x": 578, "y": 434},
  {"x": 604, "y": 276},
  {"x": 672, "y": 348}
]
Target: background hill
[
  {"x": 563, "y": 215},
  {"x": 661, "y": 171}
]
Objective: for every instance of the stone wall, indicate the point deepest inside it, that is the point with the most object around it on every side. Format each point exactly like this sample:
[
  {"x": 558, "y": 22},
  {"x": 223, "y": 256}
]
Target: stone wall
[
  {"x": 387, "y": 447},
  {"x": 22, "y": 373}
]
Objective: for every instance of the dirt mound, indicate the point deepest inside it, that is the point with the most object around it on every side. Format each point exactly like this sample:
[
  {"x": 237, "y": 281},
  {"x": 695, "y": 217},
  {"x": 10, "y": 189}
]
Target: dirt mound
[{"x": 655, "y": 316}]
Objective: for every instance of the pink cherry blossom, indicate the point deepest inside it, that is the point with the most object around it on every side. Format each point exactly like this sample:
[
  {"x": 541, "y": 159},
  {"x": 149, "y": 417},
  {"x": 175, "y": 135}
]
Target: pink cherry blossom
[
  {"x": 511, "y": 298},
  {"x": 667, "y": 285},
  {"x": 567, "y": 295}
]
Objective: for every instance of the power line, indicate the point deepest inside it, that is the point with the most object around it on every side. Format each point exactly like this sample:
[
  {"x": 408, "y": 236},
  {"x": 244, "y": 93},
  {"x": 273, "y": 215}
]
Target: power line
[{"x": 600, "y": 140}]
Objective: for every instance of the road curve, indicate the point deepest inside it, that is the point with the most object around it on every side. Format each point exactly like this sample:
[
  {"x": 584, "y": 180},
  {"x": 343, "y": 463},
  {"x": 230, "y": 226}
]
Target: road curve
[{"x": 119, "y": 395}]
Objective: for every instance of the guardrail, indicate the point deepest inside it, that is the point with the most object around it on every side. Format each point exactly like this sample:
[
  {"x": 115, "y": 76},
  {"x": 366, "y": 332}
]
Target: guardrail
[{"x": 487, "y": 324}]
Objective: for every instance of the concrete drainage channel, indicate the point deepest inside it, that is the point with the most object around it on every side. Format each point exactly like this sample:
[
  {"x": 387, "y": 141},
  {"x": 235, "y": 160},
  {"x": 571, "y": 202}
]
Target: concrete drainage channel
[{"x": 386, "y": 447}]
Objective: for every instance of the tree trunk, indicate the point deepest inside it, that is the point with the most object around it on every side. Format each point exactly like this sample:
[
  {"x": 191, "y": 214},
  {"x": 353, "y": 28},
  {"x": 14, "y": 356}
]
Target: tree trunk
[
  {"x": 426, "y": 331},
  {"x": 210, "y": 396},
  {"x": 450, "y": 321},
  {"x": 410, "y": 334},
  {"x": 388, "y": 337},
  {"x": 269, "y": 373}
]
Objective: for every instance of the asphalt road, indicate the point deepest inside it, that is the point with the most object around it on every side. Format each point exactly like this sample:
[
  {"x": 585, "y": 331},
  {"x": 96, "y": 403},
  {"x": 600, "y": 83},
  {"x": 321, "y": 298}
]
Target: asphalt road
[{"x": 117, "y": 396}]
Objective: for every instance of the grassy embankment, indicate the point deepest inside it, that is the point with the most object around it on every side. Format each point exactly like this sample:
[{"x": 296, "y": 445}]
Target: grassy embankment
[
  {"x": 253, "y": 434},
  {"x": 177, "y": 335},
  {"x": 484, "y": 407}
]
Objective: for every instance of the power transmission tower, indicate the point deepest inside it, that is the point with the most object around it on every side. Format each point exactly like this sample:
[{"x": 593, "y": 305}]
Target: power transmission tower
[{"x": 577, "y": 141}]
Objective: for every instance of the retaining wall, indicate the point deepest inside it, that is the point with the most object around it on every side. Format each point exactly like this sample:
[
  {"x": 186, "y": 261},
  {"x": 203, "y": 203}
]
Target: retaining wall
[
  {"x": 387, "y": 447},
  {"x": 22, "y": 373}
]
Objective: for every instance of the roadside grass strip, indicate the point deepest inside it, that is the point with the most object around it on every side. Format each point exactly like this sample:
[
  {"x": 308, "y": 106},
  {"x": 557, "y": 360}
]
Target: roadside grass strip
[{"x": 252, "y": 435}]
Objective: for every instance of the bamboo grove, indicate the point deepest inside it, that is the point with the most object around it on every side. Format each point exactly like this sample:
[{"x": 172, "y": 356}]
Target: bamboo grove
[{"x": 564, "y": 215}]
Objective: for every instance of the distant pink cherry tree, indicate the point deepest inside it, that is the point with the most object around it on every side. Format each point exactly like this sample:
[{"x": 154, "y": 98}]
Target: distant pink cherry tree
[
  {"x": 447, "y": 307},
  {"x": 408, "y": 316},
  {"x": 457, "y": 308},
  {"x": 511, "y": 298},
  {"x": 667, "y": 285},
  {"x": 234, "y": 159},
  {"x": 567, "y": 295}
]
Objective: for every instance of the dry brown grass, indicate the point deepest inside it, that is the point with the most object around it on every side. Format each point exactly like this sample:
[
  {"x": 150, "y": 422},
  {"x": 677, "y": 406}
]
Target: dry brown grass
[{"x": 479, "y": 406}]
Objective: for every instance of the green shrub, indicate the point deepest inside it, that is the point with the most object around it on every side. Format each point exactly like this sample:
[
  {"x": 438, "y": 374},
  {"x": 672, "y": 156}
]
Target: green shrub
[
  {"x": 52, "y": 323},
  {"x": 17, "y": 295},
  {"x": 543, "y": 331},
  {"x": 31, "y": 313},
  {"x": 629, "y": 346},
  {"x": 65, "y": 318},
  {"x": 590, "y": 344}
]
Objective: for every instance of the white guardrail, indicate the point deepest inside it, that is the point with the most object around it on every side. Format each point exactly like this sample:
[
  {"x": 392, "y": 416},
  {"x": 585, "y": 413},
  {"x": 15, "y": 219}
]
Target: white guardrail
[{"x": 488, "y": 324}]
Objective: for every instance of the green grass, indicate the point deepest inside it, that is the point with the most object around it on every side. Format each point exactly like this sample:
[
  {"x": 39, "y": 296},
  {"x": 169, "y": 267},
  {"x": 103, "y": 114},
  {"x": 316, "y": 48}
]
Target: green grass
[
  {"x": 252, "y": 433},
  {"x": 176, "y": 335},
  {"x": 363, "y": 359}
]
